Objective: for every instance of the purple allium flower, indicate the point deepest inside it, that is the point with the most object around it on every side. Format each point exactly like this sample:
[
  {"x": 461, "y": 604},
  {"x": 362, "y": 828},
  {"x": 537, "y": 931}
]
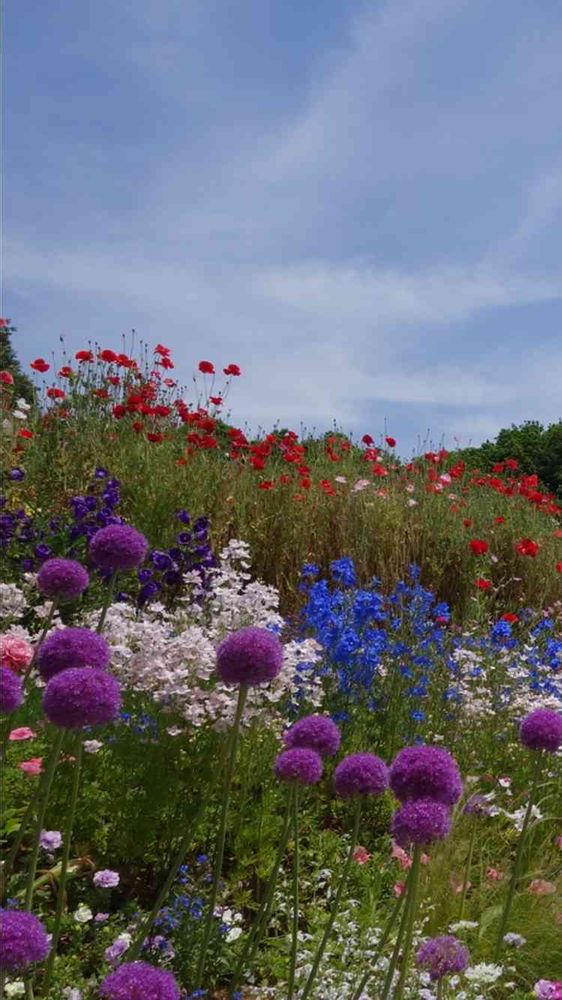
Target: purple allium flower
[
  {"x": 299, "y": 766},
  {"x": 118, "y": 548},
  {"x": 23, "y": 940},
  {"x": 139, "y": 981},
  {"x": 72, "y": 647},
  {"x": 477, "y": 805},
  {"x": 62, "y": 579},
  {"x": 11, "y": 691},
  {"x": 442, "y": 956},
  {"x": 542, "y": 730},
  {"x": 424, "y": 772},
  {"x": 360, "y": 774},
  {"x": 50, "y": 840},
  {"x": 249, "y": 656},
  {"x": 316, "y": 732},
  {"x": 420, "y": 821},
  {"x": 106, "y": 879},
  {"x": 81, "y": 696}
]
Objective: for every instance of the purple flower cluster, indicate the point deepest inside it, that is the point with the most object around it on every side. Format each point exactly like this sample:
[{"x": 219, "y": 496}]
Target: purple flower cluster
[
  {"x": 477, "y": 805},
  {"x": 118, "y": 548},
  {"x": 442, "y": 956},
  {"x": 249, "y": 656},
  {"x": 11, "y": 691},
  {"x": 299, "y": 766},
  {"x": 420, "y": 821},
  {"x": 542, "y": 730},
  {"x": 23, "y": 940},
  {"x": 82, "y": 696},
  {"x": 139, "y": 981},
  {"x": 360, "y": 774},
  {"x": 62, "y": 579},
  {"x": 425, "y": 772},
  {"x": 316, "y": 732},
  {"x": 72, "y": 647}
]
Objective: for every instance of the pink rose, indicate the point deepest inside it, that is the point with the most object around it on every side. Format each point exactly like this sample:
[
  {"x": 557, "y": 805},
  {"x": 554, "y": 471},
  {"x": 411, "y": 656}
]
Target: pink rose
[
  {"x": 23, "y": 733},
  {"x": 32, "y": 767},
  {"x": 361, "y": 855},
  {"x": 16, "y": 654}
]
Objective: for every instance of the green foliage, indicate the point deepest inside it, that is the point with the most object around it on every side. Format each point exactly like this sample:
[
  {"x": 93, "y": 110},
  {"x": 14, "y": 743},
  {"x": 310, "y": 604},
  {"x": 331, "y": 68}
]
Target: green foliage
[
  {"x": 23, "y": 386},
  {"x": 537, "y": 449}
]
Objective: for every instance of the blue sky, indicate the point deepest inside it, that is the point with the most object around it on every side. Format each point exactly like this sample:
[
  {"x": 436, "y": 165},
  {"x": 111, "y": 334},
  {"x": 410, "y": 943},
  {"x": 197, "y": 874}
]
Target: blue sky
[{"x": 359, "y": 202}]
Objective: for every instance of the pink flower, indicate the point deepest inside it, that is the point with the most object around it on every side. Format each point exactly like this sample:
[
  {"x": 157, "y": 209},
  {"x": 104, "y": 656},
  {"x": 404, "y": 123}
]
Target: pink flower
[
  {"x": 494, "y": 874},
  {"x": 558, "y": 842},
  {"x": 457, "y": 884},
  {"x": 23, "y": 733},
  {"x": 401, "y": 856},
  {"x": 16, "y": 654},
  {"x": 540, "y": 887},
  {"x": 361, "y": 855},
  {"x": 398, "y": 888},
  {"x": 32, "y": 767}
]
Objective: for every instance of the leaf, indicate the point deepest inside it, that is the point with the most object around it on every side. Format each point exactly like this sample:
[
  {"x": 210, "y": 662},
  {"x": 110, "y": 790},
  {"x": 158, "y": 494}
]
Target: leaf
[{"x": 488, "y": 917}]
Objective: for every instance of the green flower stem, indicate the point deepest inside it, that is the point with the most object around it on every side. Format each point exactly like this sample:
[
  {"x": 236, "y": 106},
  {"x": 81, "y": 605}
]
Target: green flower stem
[
  {"x": 398, "y": 943},
  {"x": 9, "y": 863},
  {"x": 221, "y": 835},
  {"x": 295, "y": 915},
  {"x": 468, "y": 866},
  {"x": 67, "y": 838},
  {"x": 2, "y": 982},
  {"x": 519, "y": 854},
  {"x": 44, "y": 630},
  {"x": 385, "y": 936},
  {"x": 107, "y": 601},
  {"x": 339, "y": 893},
  {"x": 147, "y": 923},
  {"x": 40, "y": 817},
  {"x": 409, "y": 929},
  {"x": 261, "y": 919}
]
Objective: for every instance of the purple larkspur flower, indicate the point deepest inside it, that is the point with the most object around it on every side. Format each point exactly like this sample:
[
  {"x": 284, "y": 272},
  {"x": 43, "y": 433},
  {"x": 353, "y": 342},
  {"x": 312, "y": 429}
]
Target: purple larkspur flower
[
  {"x": 62, "y": 579},
  {"x": 11, "y": 691},
  {"x": 118, "y": 548},
  {"x": 139, "y": 981},
  {"x": 425, "y": 772},
  {"x": 72, "y": 647},
  {"x": 299, "y": 766},
  {"x": 420, "y": 821},
  {"x": 249, "y": 656},
  {"x": 23, "y": 940},
  {"x": 542, "y": 730},
  {"x": 106, "y": 879},
  {"x": 360, "y": 774},
  {"x": 442, "y": 956},
  {"x": 316, "y": 732},
  {"x": 81, "y": 696}
]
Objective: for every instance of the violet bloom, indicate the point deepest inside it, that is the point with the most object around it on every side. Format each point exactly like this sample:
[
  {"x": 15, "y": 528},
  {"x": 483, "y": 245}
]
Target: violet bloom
[
  {"x": 425, "y": 772},
  {"x": 442, "y": 956},
  {"x": 118, "y": 548},
  {"x": 62, "y": 579},
  {"x": 316, "y": 732},
  {"x": 299, "y": 766},
  {"x": 135, "y": 980},
  {"x": 11, "y": 691},
  {"x": 23, "y": 940},
  {"x": 477, "y": 805},
  {"x": 420, "y": 821},
  {"x": 249, "y": 656},
  {"x": 50, "y": 840},
  {"x": 542, "y": 730},
  {"x": 72, "y": 647},
  {"x": 106, "y": 879},
  {"x": 360, "y": 774},
  {"x": 81, "y": 697}
]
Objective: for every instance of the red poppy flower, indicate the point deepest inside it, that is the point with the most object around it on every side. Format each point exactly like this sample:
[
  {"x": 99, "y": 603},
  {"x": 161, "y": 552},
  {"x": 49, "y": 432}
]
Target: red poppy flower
[
  {"x": 109, "y": 356},
  {"x": 40, "y": 365},
  {"x": 511, "y": 463},
  {"x": 84, "y": 356},
  {"x": 266, "y": 485},
  {"x": 482, "y": 584},
  {"x": 3, "y": 323},
  {"x": 499, "y": 520},
  {"x": 165, "y": 362},
  {"x": 170, "y": 383},
  {"x": 509, "y": 616},
  {"x": 559, "y": 567},
  {"x": 527, "y": 547},
  {"x": 65, "y": 371},
  {"x": 391, "y": 442},
  {"x": 25, "y": 433},
  {"x": 367, "y": 439},
  {"x": 467, "y": 522},
  {"x": 53, "y": 393},
  {"x": 557, "y": 533},
  {"x": 206, "y": 367},
  {"x": 478, "y": 546},
  {"x": 155, "y": 437},
  {"x": 114, "y": 379},
  {"x": 119, "y": 411},
  {"x": 163, "y": 351},
  {"x": 232, "y": 370},
  {"x": 100, "y": 393},
  {"x": 216, "y": 400},
  {"x": 6, "y": 378}
]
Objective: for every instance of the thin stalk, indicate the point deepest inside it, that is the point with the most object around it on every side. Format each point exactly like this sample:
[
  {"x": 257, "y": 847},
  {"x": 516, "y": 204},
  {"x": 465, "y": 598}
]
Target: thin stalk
[
  {"x": 44, "y": 630},
  {"x": 386, "y": 934},
  {"x": 9, "y": 863},
  {"x": 106, "y": 601},
  {"x": 409, "y": 931},
  {"x": 178, "y": 858},
  {"x": 399, "y": 938},
  {"x": 40, "y": 818},
  {"x": 440, "y": 990},
  {"x": 295, "y": 916},
  {"x": 518, "y": 856},
  {"x": 61, "y": 893},
  {"x": 339, "y": 893},
  {"x": 468, "y": 867},
  {"x": 221, "y": 835},
  {"x": 261, "y": 919}
]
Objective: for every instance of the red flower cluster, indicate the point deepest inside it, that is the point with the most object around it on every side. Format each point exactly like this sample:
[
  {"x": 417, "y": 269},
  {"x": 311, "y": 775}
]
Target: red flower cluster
[{"x": 527, "y": 547}]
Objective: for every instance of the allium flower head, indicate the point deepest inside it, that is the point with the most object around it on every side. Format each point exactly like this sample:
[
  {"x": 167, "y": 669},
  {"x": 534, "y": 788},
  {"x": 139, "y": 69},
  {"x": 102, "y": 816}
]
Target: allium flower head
[
  {"x": 118, "y": 548},
  {"x": 542, "y": 730},
  {"x": 420, "y": 821},
  {"x": 317, "y": 732},
  {"x": 442, "y": 956},
  {"x": 81, "y": 696},
  {"x": 360, "y": 774},
  {"x": 23, "y": 940},
  {"x": 249, "y": 656},
  {"x": 62, "y": 579},
  {"x": 299, "y": 766},
  {"x": 11, "y": 691},
  {"x": 72, "y": 647},
  {"x": 139, "y": 981},
  {"x": 425, "y": 772}
]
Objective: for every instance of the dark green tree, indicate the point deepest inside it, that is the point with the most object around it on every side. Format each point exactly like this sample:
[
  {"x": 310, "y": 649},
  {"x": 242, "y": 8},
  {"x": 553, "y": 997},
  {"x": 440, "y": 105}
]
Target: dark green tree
[{"x": 9, "y": 362}]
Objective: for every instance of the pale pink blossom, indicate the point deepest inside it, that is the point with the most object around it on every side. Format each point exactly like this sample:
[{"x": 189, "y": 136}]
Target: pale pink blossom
[
  {"x": 32, "y": 767},
  {"x": 16, "y": 654},
  {"x": 540, "y": 887},
  {"x": 22, "y": 733},
  {"x": 398, "y": 888},
  {"x": 361, "y": 855},
  {"x": 494, "y": 874}
]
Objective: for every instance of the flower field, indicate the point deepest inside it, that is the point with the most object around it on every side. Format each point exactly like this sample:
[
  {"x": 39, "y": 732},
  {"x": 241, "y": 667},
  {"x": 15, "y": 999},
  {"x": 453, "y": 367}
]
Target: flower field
[{"x": 281, "y": 715}]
